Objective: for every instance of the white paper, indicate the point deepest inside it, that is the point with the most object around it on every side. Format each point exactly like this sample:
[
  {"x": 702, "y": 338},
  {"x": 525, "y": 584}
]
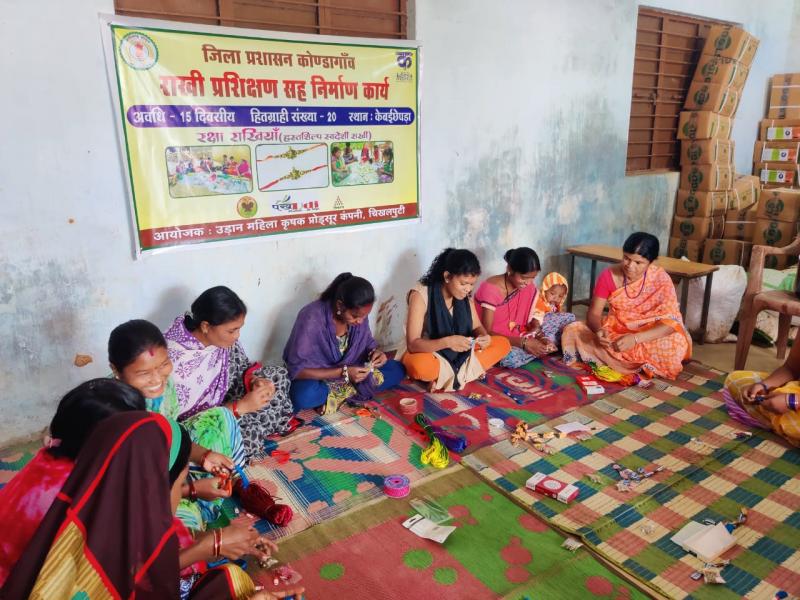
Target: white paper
[
  {"x": 710, "y": 544},
  {"x": 425, "y": 528},
  {"x": 572, "y": 427},
  {"x": 688, "y": 531}
]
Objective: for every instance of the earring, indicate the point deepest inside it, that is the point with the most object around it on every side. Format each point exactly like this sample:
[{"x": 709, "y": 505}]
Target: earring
[{"x": 338, "y": 313}]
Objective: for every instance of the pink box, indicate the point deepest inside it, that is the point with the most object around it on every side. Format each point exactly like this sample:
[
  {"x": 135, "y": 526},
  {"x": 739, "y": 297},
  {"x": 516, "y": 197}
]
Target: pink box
[{"x": 544, "y": 484}]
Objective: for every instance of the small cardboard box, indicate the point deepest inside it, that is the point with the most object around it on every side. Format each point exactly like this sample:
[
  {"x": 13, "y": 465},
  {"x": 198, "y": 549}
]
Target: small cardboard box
[
  {"x": 722, "y": 71},
  {"x": 726, "y": 252},
  {"x": 779, "y": 129},
  {"x": 713, "y": 97},
  {"x": 731, "y": 42},
  {"x": 744, "y": 193},
  {"x": 689, "y": 203},
  {"x": 774, "y": 233},
  {"x": 774, "y": 151},
  {"x": 706, "y": 152},
  {"x": 548, "y": 486},
  {"x": 776, "y": 174},
  {"x": 680, "y": 247},
  {"x": 697, "y": 228},
  {"x": 703, "y": 125},
  {"x": 784, "y": 96},
  {"x": 740, "y": 224},
  {"x": 779, "y": 205},
  {"x": 706, "y": 178}
]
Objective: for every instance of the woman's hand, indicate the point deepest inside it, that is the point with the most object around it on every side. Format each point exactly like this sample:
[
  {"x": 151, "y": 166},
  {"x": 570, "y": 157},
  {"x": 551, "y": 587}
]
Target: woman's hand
[
  {"x": 750, "y": 392},
  {"x": 293, "y": 591},
  {"x": 602, "y": 338},
  {"x": 257, "y": 398},
  {"x": 533, "y": 326},
  {"x": 238, "y": 539},
  {"x": 483, "y": 341},
  {"x": 536, "y": 347},
  {"x": 214, "y": 462},
  {"x": 776, "y": 403},
  {"x": 358, "y": 374},
  {"x": 207, "y": 488},
  {"x": 378, "y": 358},
  {"x": 624, "y": 343},
  {"x": 458, "y": 343}
]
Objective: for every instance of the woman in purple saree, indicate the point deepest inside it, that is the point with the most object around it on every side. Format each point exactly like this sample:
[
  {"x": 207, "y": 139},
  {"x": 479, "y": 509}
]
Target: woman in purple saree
[{"x": 331, "y": 355}]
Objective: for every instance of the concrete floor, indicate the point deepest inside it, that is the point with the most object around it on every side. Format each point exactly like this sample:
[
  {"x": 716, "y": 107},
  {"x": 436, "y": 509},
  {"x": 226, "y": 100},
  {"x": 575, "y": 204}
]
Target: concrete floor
[{"x": 720, "y": 356}]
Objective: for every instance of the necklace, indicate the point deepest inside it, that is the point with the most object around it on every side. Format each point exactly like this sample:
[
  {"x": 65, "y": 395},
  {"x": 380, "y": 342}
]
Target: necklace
[
  {"x": 625, "y": 285},
  {"x": 512, "y": 325}
]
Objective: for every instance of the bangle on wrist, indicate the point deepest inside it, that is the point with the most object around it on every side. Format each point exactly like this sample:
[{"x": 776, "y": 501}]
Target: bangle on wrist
[
  {"x": 791, "y": 401},
  {"x": 234, "y": 409},
  {"x": 217, "y": 543},
  {"x": 205, "y": 456},
  {"x": 192, "y": 490}
]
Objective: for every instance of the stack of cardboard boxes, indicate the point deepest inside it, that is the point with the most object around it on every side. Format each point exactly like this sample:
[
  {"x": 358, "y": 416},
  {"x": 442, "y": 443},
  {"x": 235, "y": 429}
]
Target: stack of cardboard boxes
[
  {"x": 710, "y": 193},
  {"x": 775, "y": 163},
  {"x": 776, "y": 151}
]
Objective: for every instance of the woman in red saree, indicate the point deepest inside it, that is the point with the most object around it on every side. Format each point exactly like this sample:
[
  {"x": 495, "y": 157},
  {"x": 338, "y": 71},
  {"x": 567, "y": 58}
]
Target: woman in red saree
[
  {"x": 643, "y": 331},
  {"x": 110, "y": 533}
]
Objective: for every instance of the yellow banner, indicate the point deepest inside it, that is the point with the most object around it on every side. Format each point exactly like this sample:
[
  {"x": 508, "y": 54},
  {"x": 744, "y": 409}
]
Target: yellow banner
[{"x": 233, "y": 136}]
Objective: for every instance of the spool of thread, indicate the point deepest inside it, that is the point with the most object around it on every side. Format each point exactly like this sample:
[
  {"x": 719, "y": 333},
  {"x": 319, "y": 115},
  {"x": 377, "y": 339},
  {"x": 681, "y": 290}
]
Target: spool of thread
[
  {"x": 396, "y": 486},
  {"x": 408, "y": 406}
]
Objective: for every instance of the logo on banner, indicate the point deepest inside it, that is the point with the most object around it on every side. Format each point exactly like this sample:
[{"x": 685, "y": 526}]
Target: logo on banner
[
  {"x": 247, "y": 207},
  {"x": 286, "y": 205},
  {"x": 138, "y": 51},
  {"x": 338, "y": 205},
  {"x": 404, "y": 60}
]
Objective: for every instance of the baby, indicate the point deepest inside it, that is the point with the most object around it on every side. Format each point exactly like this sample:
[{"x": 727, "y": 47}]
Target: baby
[{"x": 548, "y": 319}]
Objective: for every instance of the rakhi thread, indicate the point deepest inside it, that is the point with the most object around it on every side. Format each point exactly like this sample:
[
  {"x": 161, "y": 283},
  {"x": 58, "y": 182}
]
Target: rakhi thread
[
  {"x": 435, "y": 454},
  {"x": 290, "y": 153},
  {"x": 396, "y": 486},
  {"x": 294, "y": 174},
  {"x": 257, "y": 500}
]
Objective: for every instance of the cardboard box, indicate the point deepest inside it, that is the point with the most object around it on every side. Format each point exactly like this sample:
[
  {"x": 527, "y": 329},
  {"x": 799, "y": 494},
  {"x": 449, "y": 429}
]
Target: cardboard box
[
  {"x": 744, "y": 193},
  {"x": 726, "y": 252},
  {"x": 740, "y": 224},
  {"x": 548, "y": 486},
  {"x": 779, "y": 205},
  {"x": 774, "y": 233},
  {"x": 680, "y": 247},
  {"x": 784, "y": 96},
  {"x": 774, "y": 151},
  {"x": 720, "y": 70},
  {"x": 689, "y": 203},
  {"x": 777, "y": 174},
  {"x": 779, "y": 261},
  {"x": 703, "y": 125},
  {"x": 705, "y": 152},
  {"x": 711, "y": 96},
  {"x": 731, "y": 42},
  {"x": 706, "y": 178},
  {"x": 779, "y": 129},
  {"x": 697, "y": 228}
]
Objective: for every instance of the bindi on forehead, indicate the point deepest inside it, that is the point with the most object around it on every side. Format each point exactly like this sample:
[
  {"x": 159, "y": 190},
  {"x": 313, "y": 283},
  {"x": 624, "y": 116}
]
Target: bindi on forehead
[{"x": 151, "y": 351}]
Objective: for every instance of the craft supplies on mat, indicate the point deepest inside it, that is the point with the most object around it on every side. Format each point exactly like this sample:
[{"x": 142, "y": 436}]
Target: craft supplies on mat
[
  {"x": 542, "y": 484},
  {"x": 702, "y": 480},
  {"x": 396, "y": 486},
  {"x": 430, "y": 509},
  {"x": 408, "y": 406},
  {"x": 425, "y": 528}
]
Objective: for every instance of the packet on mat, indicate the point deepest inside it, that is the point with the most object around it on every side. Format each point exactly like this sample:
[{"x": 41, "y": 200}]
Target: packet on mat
[
  {"x": 430, "y": 509},
  {"x": 425, "y": 528}
]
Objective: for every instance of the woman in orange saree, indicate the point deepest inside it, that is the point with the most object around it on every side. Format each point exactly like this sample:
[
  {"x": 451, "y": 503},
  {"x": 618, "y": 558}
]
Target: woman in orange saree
[{"x": 643, "y": 331}]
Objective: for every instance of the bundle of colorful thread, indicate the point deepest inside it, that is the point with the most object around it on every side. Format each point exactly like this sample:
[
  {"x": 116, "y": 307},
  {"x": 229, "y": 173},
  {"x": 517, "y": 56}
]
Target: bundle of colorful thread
[
  {"x": 606, "y": 373},
  {"x": 436, "y": 454},
  {"x": 257, "y": 500}
]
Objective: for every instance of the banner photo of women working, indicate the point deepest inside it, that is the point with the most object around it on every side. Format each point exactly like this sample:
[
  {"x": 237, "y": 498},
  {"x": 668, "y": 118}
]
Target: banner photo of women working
[{"x": 230, "y": 133}]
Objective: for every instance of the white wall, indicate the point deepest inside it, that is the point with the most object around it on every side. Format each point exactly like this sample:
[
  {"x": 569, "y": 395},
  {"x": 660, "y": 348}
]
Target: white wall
[{"x": 524, "y": 125}]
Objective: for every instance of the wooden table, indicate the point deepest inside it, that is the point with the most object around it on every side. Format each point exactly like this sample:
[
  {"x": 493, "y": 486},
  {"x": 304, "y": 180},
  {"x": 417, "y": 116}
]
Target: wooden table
[{"x": 682, "y": 269}]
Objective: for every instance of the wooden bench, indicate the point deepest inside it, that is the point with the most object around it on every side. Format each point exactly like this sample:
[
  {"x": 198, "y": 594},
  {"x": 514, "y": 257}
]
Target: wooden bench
[{"x": 682, "y": 270}]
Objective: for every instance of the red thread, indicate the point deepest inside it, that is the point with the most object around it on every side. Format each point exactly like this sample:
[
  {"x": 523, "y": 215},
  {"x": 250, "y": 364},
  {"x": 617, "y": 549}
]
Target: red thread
[{"x": 257, "y": 500}]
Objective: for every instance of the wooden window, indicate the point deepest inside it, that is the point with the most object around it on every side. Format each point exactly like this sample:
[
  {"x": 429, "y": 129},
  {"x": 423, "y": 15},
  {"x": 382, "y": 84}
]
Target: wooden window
[
  {"x": 359, "y": 18},
  {"x": 668, "y": 47}
]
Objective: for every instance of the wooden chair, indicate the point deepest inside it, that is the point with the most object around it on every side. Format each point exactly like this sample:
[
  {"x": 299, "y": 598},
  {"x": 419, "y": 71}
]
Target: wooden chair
[{"x": 786, "y": 304}]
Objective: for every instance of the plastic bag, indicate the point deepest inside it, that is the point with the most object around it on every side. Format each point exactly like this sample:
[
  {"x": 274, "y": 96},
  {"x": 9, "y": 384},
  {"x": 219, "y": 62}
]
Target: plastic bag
[{"x": 727, "y": 289}]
